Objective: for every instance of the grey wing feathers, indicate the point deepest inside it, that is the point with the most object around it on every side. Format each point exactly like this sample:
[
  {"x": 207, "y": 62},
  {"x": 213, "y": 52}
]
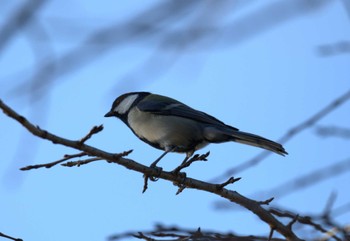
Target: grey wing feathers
[{"x": 173, "y": 107}]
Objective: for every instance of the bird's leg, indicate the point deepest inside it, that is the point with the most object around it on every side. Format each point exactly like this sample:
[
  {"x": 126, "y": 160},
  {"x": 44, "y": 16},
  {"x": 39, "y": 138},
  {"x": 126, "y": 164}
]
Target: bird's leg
[
  {"x": 154, "y": 164},
  {"x": 184, "y": 163},
  {"x": 188, "y": 155}
]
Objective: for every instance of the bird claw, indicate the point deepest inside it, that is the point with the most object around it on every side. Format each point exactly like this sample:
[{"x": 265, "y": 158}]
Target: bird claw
[
  {"x": 176, "y": 172},
  {"x": 180, "y": 184},
  {"x": 159, "y": 171}
]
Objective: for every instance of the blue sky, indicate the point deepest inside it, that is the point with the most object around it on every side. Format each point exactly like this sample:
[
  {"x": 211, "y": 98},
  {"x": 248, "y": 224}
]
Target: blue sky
[{"x": 266, "y": 83}]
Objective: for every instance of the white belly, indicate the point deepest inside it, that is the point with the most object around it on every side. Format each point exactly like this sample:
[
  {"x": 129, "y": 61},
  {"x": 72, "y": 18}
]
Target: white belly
[{"x": 167, "y": 131}]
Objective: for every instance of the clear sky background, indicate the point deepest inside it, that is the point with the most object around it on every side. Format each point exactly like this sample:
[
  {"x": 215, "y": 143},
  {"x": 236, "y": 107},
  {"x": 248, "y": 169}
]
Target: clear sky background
[{"x": 263, "y": 67}]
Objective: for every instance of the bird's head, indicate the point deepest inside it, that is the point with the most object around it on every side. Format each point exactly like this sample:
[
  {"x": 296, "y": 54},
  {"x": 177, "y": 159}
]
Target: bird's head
[{"x": 122, "y": 105}]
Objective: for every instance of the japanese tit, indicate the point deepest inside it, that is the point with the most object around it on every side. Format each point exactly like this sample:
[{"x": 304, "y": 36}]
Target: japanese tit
[{"x": 172, "y": 126}]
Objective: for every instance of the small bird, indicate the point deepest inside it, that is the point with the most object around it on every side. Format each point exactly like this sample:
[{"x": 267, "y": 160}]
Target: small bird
[{"x": 172, "y": 126}]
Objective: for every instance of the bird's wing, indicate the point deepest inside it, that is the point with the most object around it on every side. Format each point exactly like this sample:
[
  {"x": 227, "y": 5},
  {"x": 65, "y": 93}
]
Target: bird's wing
[{"x": 168, "y": 106}]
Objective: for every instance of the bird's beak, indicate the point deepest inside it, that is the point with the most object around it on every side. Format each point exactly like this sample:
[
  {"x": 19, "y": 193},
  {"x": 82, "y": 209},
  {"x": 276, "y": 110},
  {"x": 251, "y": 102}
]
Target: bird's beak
[{"x": 109, "y": 114}]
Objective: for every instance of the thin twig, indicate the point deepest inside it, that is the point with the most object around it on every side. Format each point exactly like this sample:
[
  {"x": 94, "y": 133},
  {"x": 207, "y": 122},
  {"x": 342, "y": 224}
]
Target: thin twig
[
  {"x": 329, "y": 204},
  {"x": 81, "y": 162},
  {"x": 310, "y": 178},
  {"x": 271, "y": 234},
  {"x": 51, "y": 164},
  {"x": 94, "y": 130},
  {"x": 182, "y": 234},
  {"x": 293, "y": 221},
  {"x": 266, "y": 202},
  {"x": 145, "y": 183},
  {"x": 195, "y": 158},
  {"x": 142, "y": 236},
  {"x": 86, "y": 161},
  {"x": 229, "y": 181},
  {"x": 301, "y": 219},
  {"x": 181, "y": 188}
]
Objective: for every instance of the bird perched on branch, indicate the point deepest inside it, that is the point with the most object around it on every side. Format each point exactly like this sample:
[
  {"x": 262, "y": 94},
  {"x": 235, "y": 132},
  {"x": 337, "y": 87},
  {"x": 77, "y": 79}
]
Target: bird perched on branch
[{"x": 172, "y": 126}]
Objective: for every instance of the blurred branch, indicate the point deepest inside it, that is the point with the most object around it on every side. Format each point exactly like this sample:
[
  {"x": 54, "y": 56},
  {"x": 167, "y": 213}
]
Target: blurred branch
[
  {"x": 341, "y": 209},
  {"x": 19, "y": 20},
  {"x": 310, "y": 178},
  {"x": 159, "y": 25},
  {"x": 322, "y": 222},
  {"x": 346, "y": 4},
  {"x": 327, "y": 50},
  {"x": 175, "y": 233},
  {"x": 301, "y": 219},
  {"x": 105, "y": 39},
  {"x": 233, "y": 196},
  {"x": 311, "y": 121},
  {"x": 301, "y": 182},
  {"x": 333, "y": 131}
]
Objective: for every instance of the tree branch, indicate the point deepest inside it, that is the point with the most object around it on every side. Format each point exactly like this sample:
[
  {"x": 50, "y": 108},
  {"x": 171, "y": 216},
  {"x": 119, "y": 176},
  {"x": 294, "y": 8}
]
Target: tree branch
[
  {"x": 230, "y": 195},
  {"x": 9, "y": 237},
  {"x": 51, "y": 164},
  {"x": 161, "y": 232}
]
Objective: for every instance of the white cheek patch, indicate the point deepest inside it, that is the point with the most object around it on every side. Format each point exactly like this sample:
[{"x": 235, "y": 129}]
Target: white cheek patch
[{"x": 124, "y": 106}]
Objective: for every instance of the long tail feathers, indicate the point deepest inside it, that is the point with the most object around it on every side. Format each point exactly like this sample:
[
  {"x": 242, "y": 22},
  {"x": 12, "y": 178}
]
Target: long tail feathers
[{"x": 258, "y": 141}]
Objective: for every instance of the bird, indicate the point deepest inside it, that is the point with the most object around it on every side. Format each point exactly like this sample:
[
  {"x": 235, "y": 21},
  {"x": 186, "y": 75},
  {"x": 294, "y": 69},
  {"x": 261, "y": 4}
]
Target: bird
[{"x": 172, "y": 126}]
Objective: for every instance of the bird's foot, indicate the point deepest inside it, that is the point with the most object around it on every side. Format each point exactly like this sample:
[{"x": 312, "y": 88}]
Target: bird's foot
[{"x": 158, "y": 172}]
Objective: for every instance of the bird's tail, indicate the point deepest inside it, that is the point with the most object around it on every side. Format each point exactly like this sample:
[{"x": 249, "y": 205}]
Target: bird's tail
[{"x": 258, "y": 141}]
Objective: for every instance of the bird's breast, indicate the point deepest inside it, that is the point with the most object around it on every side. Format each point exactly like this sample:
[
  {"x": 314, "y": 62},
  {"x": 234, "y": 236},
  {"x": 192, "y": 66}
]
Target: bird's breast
[{"x": 166, "y": 131}]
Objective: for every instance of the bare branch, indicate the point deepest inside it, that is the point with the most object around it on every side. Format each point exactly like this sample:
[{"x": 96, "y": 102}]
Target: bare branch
[
  {"x": 301, "y": 219},
  {"x": 175, "y": 233},
  {"x": 333, "y": 131},
  {"x": 229, "y": 181},
  {"x": 293, "y": 221},
  {"x": 9, "y": 237},
  {"x": 18, "y": 20},
  {"x": 329, "y": 205},
  {"x": 51, "y": 164},
  {"x": 271, "y": 234},
  {"x": 310, "y": 178},
  {"x": 94, "y": 130},
  {"x": 267, "y": 202},
  {"x": 230, "y": 195},
  {"x": 81, "y": 162},
  {"x": 195, "y": 158},
  {"x": 87, "y": 161}
]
